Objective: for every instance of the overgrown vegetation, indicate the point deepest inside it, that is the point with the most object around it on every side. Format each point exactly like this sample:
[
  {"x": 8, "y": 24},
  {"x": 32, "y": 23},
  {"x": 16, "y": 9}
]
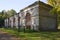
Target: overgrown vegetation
[
  {"x": 56, "y": 8},
  {"x": 34, "y": 35}
]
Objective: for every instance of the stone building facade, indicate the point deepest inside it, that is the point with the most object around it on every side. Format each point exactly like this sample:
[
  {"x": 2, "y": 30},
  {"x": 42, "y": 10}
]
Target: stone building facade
[{"x": 36, "y": 16}]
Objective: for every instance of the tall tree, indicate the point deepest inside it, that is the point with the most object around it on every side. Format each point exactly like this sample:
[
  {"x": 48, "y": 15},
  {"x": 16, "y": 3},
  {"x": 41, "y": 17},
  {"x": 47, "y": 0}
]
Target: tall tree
[
  {"x": 11, "y": 12},
  {"x": 4, "y": 14},
  {"x": 2, "y": 17}
]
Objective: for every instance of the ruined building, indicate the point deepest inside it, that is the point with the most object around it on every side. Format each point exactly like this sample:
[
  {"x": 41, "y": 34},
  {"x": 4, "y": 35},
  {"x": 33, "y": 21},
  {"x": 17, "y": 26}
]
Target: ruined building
[{"x": 36, "y": 16}]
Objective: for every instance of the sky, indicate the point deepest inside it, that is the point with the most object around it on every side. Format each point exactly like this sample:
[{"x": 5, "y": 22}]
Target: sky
[{"x": 17, "y": 5}]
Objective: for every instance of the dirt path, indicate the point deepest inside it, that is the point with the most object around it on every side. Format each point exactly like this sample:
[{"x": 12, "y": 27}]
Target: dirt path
[{"x": 6, "y": 36}]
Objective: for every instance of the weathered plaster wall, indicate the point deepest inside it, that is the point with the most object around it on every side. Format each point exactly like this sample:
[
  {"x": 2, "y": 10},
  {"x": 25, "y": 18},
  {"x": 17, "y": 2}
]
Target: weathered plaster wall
[
  {"x": 5, "y": 21},
  {"x": 11, "y": 18},
  {"x": 47, "y": 20},
  {"x": 34, "y": 17},
  {"x": 16, "y": 21}
]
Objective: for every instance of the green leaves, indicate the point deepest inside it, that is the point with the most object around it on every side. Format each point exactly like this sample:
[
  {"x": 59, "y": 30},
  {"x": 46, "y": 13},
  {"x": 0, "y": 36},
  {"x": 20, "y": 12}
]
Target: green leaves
[
  {"x": 6, "y": 14},
  {"x": 52, "y": 2},
  {"x": 56, "y": 8},
  {"x": 11, "y": 12}
]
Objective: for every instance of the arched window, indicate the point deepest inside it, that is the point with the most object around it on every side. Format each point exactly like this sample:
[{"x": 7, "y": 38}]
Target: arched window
[
  {"x": 28, "y": 20},
  {"x": 18, "y": 18},
  {"x": 18, "y": 21},
  {"x": 13, "y": 21}
]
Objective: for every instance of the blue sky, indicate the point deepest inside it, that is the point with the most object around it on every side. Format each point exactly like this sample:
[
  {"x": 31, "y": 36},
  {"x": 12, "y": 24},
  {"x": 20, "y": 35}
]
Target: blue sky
[{"x": 15, "y": 4}]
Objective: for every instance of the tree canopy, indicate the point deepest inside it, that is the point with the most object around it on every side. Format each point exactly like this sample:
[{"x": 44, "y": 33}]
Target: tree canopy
[
  {"x": 56, "y": 8},
  {"x": 6, "y": 14},
  {"x": 54, "y": 2}
]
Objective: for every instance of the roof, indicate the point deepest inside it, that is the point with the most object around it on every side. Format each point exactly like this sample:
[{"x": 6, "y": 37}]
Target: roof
[{"x": 35, "y": 3}]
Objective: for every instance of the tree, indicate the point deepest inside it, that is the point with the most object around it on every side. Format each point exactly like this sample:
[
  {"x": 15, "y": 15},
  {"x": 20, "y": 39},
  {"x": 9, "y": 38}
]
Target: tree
[
  {"x": 54, "y": 2},
  {"x": 11, "y": 12},
  {"x": 4, "y": 15},
  {"x": 56, "y": 8}
]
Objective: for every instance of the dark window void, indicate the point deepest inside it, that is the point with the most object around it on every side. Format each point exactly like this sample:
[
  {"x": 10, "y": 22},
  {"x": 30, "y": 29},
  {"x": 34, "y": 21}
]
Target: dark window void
[{"x": 28, "y": 20}]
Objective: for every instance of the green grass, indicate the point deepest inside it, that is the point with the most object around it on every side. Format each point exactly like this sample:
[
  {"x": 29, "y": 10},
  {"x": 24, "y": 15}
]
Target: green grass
[{"x": 34, "y": 35}]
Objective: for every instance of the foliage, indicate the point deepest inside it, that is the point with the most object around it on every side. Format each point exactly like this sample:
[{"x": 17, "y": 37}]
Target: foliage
[
  {"x": 51, "y": 2},
  {"x": 34, "y": 35},
  {"x": 54, "y": 2},
  {"x": 56, "y": 8},
  {"x": 6, "y": 14},
  {"x": 11, "y": 12}
]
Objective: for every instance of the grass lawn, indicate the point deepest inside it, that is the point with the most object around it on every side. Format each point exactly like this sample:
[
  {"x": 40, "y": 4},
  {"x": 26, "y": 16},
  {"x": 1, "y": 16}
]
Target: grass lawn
[{"x": 35, "y": 35}]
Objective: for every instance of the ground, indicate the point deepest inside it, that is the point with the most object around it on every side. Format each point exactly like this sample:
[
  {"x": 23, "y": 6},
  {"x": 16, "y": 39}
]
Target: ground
[{"x": 9, "y": 34}]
